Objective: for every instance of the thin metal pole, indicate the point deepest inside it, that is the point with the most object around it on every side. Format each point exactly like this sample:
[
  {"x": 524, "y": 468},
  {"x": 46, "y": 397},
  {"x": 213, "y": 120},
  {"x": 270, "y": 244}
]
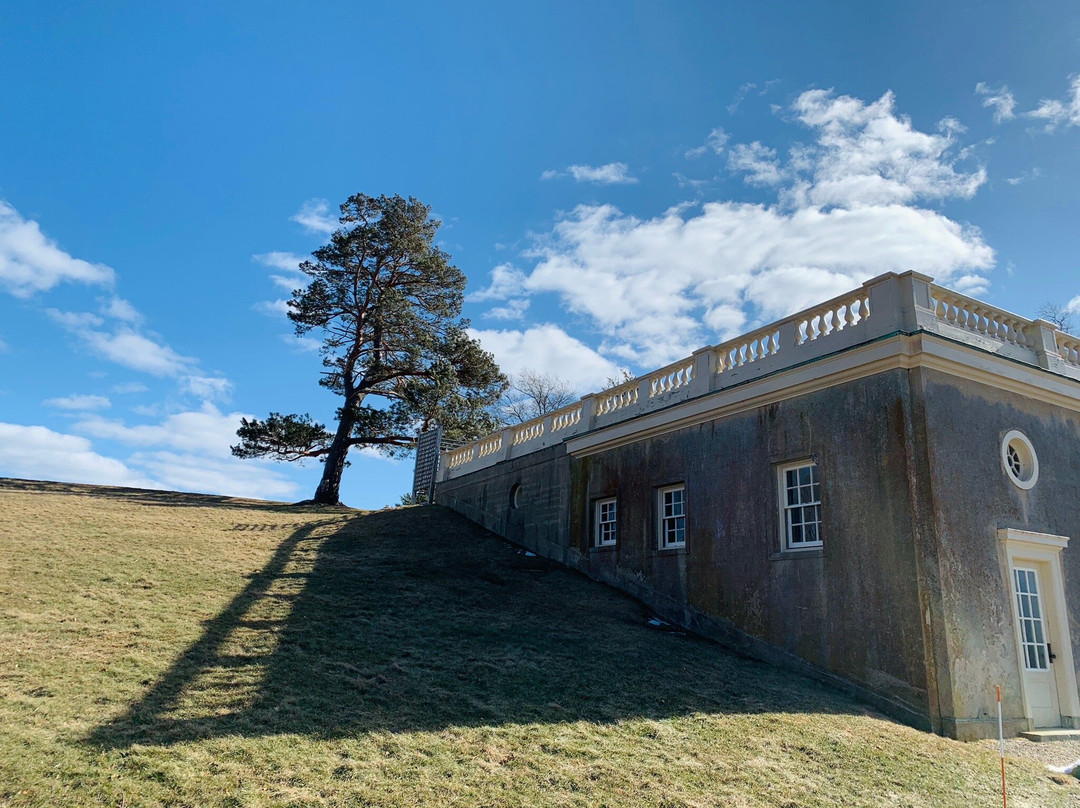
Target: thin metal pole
[{"x": 1001, "y": 751}]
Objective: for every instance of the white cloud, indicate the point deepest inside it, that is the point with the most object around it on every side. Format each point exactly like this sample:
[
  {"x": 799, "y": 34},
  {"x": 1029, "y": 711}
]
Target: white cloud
[
  {"x": 866, "y": 154},
  {"x": 656, "y": 288},
  {"x": 608, "y": 174},
  {"x": 42, "y": 454},
  {"x": 951, "y": 126},
  {"x": 189, "y": 451},
  {"x": 506, "y": 281},
  {"x": 133, "y": 350},
  {"x": 273, "y": 308},
  {"x": 759, "y": 163},
  {"x": 224, "y": 476},
  {"x": 315, "y": 217},
  {"x": 205, "y": 431},
  {"x": 999, "y": 99},
  {"x": 514, "y": 309},
  {"x": 30, "y": 262},
  {"x": 286, "y": 261},
  {"x": 740, "y": 95},
  {"x": 1073, "y": 306},
  {"x": 120, "y": 309},
  {"x": 129, "y": 387},
  {"x": 1057, "y": 113},
  {"x": 1032, "y": 174},
  {"x": 79, "y": 402},
  {"x": 714, "y": 143},
  {"x": 546, "y": 348},
  {"x": 208, "y": 388},
  {"x": 123, "y": 345}
]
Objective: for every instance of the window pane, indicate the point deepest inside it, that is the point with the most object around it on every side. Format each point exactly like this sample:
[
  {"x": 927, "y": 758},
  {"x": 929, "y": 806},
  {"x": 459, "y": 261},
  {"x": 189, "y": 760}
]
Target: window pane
[
  {"x": 793, "y": 496},
  {"x": 804, "y": 475},
  {"x": 796, "y": 534}
]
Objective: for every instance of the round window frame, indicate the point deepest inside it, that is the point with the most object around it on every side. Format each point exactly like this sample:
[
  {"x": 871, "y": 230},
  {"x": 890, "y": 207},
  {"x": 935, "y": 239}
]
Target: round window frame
[
  {"x": 1021, "y": 442},
  {"x": 515, "y": 496}
]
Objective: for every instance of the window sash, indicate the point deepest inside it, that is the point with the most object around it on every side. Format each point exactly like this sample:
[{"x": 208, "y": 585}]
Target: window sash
[
  {"x": 672, "y": 510},
  {"x": 606, "y": 533},
  {"x": 800, "y": 500}
]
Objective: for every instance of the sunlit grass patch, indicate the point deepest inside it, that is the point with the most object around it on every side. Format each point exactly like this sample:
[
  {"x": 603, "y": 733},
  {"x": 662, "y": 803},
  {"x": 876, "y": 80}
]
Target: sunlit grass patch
[{"x": 165, "y": 649}]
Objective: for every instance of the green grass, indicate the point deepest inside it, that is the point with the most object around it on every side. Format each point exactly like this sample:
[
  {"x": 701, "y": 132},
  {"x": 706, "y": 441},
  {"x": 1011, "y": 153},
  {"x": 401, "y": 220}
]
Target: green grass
[{"x": 168, "y": 649}]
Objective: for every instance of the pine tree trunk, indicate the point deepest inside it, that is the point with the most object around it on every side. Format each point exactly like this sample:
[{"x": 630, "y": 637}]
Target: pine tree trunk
[{"x": 328, "y": 492}]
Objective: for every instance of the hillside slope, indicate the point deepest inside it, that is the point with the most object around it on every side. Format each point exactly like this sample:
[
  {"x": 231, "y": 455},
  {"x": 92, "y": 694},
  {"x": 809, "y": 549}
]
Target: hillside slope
[{"x": 171, "y": 649}]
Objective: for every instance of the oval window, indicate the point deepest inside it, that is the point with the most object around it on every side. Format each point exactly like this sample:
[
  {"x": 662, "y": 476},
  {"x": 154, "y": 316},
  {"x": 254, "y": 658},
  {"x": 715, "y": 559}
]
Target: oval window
[
  {"x": 1019, "y": 459},
  {"x": 515, "y": 496}
]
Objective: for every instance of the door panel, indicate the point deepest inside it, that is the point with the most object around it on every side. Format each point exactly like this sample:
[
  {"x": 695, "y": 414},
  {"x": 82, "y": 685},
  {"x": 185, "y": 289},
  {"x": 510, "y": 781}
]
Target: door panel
[{"x": 1040, "y": 686}]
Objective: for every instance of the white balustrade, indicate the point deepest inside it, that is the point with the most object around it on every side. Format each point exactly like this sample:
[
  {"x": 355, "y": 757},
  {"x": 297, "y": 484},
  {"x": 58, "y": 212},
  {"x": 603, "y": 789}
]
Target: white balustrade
[
  {"x": 565, "y": 418},
  {"x": 981, "y": 318},
  {"x": 459, "y": 457},
  {"x": 1068, "y": 348},
  {"x": 832, "y": 317},
  {"x": 530, "y": 430},
  {"x": 671, "y": 378},
  {"x": 799, "y": 332},
  {"x": 489, "y": 445},
  {"x": 617, "y": 398},
  {"x": 744, "y": 350}
]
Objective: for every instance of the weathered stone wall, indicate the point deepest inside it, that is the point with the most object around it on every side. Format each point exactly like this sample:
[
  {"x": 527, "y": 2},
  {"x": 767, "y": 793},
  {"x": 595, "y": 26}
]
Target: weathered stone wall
[
  {"x": 541, "y": 519},
  {"x": 973, "y": 497},
  {"x": 851, "y": 608}
]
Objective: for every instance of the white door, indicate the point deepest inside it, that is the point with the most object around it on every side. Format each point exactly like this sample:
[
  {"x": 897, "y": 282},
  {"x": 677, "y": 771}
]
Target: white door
[{"x": 1040, "y": 687}]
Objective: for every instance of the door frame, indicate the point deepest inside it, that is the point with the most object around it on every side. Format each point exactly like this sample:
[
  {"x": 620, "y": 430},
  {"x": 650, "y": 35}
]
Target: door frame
[{"x": 1043, "y": 551}]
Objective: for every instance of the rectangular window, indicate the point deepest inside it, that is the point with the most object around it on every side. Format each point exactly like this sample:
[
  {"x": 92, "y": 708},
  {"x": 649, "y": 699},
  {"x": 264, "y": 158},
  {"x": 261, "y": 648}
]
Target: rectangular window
[
  {"x": 671, "y": 506},
  {"x": 800, "y": 505},
  {"x": 605, "y": 533}
]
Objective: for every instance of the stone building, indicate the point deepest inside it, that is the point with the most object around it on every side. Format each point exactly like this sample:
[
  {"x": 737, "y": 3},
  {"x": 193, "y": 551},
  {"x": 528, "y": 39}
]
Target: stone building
[{"x": 880, "y": 491}]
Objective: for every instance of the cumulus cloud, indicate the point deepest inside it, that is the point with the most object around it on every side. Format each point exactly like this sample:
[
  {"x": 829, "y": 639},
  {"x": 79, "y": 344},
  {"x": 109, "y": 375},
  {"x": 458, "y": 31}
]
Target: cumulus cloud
[
  {"x": 189, "y": 451},
  {"x": 758, "y": 163},
  {"x": 513, "y": 310},
  {"x": 547, "y": 348},
  {"x": 38, "y": 453},
  {"x": 506, "y": 281},
  {"x": 1060, "y": 113},
  {"x": 30, "y": 262},
  {"x": 315, "y": 217},
  {"x": 122, "y": 344},
  {"x": 608, "y": 174},
  {"x": 998, "y": 99},
  {"x": 79, "y": 402},
  {"x": 847, "y": 208}
]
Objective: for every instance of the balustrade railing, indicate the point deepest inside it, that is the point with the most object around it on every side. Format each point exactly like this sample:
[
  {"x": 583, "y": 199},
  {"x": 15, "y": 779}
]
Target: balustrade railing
[
  {"x": 565, "y": 418},
  {"x": 744, "y": 350},
  {"x": 828, "y": 318},
  {"x": 671, "y": 378},
  {"x": 1069, "y": 348},
  {"x": 530, "y": 430},
  {"x": 801, "y": 334},
  {"x": 617, "y": 398},
  {"x": 981, "y": 318}
]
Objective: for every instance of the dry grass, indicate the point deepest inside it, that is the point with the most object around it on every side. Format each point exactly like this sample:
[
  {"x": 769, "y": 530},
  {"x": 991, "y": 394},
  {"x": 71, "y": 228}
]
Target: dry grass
[{"x": 165, "y": 649}]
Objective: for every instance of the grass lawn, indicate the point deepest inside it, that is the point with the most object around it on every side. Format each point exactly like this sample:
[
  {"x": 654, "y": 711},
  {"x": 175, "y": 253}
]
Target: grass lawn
[{"x": 172, "y": 649}]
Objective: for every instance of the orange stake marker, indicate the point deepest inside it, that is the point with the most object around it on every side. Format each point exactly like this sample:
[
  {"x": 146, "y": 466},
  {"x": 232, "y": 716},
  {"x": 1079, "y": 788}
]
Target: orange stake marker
[{"x": 1001, "y": 751}]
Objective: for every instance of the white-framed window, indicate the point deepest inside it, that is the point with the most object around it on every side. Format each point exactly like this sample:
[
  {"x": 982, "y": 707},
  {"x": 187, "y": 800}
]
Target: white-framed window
[
  {"x": 605, "y": 532},
  {"x": 1019, "y": 459},
  {"x": 800, "y": 505},
  {"x": 671, "y": 510}
]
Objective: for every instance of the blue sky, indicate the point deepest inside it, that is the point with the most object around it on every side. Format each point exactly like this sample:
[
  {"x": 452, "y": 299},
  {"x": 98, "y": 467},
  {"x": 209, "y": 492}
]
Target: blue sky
[{"x": 621, "y": 183}]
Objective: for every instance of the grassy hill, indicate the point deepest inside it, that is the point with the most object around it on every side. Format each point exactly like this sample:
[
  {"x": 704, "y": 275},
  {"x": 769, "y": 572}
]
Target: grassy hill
[{"x": 171, "y": 649}]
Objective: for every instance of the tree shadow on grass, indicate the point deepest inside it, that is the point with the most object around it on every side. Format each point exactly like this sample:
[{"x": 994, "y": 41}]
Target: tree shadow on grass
[{"x": 417, "y": 619}]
